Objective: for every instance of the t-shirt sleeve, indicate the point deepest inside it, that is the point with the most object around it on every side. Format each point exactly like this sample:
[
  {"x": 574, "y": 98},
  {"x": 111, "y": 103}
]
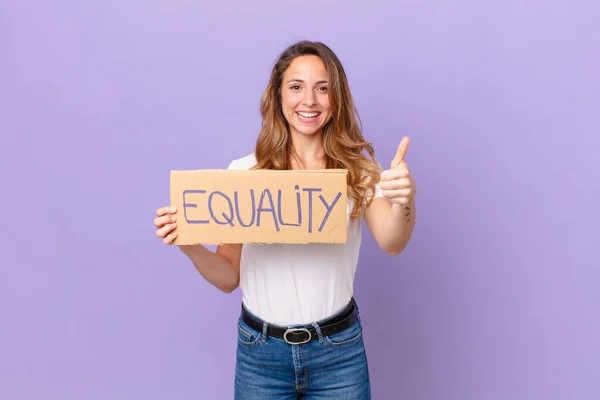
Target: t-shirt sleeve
[
  {"x": 241, "y": 164},
  {"x": 237, "y": 164},
  {"x": 378, "y": 190},
  {"x": 233, "y": 165}
]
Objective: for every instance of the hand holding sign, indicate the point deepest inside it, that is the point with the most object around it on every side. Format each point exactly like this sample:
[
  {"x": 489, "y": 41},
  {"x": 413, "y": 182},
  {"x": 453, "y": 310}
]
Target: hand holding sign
[
  {"x": 166, "y": 223},
  {"x": 397, "y": 183}
]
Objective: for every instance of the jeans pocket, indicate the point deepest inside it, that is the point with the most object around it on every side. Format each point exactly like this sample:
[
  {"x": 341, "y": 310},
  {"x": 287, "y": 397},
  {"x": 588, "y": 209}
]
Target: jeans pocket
[
  {"x": 246, "y": 335},
  {"x": 347, "y": 337}
]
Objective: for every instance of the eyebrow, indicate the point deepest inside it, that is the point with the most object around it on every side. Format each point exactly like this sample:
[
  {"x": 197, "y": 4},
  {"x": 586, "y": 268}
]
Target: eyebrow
[{"x": 301, "y": 81}]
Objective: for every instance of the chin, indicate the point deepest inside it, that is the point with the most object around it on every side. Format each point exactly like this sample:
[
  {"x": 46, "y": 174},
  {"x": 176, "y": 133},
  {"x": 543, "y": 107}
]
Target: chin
[{"x": 308, "y": 132}]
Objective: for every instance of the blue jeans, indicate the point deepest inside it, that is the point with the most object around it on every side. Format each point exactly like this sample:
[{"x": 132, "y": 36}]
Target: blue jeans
[{"x": 332, "y": 367}]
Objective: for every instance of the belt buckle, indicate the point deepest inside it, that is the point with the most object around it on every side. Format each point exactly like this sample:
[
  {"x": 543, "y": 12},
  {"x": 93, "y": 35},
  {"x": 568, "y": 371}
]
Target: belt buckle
[{"x": 295, "y": 331}]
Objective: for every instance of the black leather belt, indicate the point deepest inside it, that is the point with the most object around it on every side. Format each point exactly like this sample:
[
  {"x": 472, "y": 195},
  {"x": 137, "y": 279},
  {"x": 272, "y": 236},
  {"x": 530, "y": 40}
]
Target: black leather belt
[{"x": 302, "y": 335}]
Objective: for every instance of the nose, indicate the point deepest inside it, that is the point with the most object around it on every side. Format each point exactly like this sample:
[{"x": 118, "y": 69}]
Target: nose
[{"x": 309, "y": 98}]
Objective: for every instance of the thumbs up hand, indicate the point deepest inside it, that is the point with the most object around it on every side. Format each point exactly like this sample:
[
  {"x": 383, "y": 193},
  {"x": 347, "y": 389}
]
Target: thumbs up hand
[{"x": 397, "y": 183}]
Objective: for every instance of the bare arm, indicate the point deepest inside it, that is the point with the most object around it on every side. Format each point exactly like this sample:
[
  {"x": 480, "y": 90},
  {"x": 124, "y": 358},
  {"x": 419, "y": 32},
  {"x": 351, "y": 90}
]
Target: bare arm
[
  {"x": 391, "y": 218},
  {"x": 391, "y": 224},
  {"x": 221, "y": 268}
]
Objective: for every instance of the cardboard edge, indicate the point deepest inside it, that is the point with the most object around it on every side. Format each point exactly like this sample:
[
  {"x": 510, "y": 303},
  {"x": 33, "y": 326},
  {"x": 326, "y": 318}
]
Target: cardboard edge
[
  {"x": 174, "y": 172},
  {"x": 260, "y": 171}
]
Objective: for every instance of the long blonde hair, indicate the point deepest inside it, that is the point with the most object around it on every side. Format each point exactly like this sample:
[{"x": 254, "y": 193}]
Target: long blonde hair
[{"x": 342, "y": 135}]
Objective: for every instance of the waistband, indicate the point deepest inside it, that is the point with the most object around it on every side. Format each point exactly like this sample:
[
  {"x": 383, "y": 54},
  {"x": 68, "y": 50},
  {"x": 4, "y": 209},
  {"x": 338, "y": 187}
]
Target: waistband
[{"x": 305, "y": 333}]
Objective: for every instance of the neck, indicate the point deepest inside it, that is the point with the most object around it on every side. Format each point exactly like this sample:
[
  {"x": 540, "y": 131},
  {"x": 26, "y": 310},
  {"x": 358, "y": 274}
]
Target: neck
[{"x": 308, "y": 149}]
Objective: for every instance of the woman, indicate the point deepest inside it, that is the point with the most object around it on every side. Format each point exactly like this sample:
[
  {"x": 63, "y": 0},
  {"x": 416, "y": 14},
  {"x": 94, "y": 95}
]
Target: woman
[{"x": 299, "y": 333}]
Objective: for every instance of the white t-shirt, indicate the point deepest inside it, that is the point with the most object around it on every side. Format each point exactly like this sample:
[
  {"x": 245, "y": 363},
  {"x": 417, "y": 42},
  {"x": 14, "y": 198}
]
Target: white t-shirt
[{"x": 291, "y": 284}]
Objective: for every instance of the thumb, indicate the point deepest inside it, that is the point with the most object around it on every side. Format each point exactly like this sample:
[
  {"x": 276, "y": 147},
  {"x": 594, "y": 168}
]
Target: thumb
[{"x": 401, "y": 153}]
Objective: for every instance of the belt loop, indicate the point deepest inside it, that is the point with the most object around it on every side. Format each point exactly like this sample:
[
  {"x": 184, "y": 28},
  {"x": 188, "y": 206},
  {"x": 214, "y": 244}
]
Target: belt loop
[
  {"x": 354, "y": 301},
  {"x": 319, "y": 333},
  {"x": 264, "y": 331}
]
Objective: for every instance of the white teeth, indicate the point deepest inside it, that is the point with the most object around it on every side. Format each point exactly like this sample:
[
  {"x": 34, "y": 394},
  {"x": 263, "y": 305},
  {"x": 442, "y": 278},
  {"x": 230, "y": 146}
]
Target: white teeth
[{"x": 308, "y": 115}]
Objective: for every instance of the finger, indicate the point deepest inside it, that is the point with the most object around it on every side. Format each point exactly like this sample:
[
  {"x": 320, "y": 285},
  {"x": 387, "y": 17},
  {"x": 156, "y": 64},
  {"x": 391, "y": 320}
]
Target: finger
[
  {"x": 169, "y": 238},
  {"x": 402, "y": 183},
  {"x": 395, "y": 184},
  {"x": 401, "y": 152},
  {"x": 165, "y": 230},
  {"x": 167, "y": 219},
  {"x": 397, "y": 194},
  {"x": 396, "y": 173},
  {"x": 165, "y": 210}
]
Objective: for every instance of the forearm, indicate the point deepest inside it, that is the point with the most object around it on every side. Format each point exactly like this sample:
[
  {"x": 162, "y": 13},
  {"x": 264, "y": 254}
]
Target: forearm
[
  {"x": 216, "y": 269},
  {"x": 398, "y": 227}
]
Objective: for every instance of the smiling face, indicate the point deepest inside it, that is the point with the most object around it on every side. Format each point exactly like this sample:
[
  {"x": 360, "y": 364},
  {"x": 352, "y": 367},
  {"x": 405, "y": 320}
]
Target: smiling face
[{"x": 304, "y": 95}]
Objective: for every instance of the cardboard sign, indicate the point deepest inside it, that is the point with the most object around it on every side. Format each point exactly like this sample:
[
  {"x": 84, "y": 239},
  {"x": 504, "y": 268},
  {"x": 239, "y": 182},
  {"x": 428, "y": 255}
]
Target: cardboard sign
[{"x": 259, "y": 206}]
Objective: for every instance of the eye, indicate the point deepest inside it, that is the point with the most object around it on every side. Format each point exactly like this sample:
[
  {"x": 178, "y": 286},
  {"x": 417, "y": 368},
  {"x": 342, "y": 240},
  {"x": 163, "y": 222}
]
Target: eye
[
  {"x": 323, "y": 89},
  {"x": 295, "y": 87}
]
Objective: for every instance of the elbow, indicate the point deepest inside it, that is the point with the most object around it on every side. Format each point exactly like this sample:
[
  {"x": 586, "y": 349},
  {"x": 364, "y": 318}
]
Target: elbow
[
  {"x": 394, "y": 251},
  {"x": 228, "y": 288}
]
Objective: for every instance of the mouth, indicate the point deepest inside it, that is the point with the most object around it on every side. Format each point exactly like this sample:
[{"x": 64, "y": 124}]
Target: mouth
[{"x": 308, "y": 117}]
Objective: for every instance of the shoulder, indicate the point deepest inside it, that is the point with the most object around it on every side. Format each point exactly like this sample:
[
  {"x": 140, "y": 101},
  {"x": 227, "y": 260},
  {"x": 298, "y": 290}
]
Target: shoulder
[{"x": 243, "y": 163}]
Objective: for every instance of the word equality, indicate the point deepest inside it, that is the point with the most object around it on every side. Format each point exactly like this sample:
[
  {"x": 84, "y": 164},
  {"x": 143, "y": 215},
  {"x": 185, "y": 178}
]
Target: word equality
[{"x": 266, "y": 209}]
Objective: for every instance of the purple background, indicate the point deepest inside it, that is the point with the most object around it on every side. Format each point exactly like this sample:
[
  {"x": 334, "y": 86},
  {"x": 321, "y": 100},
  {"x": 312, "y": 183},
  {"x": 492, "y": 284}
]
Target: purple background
[{"x": 497, "y": 296}]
